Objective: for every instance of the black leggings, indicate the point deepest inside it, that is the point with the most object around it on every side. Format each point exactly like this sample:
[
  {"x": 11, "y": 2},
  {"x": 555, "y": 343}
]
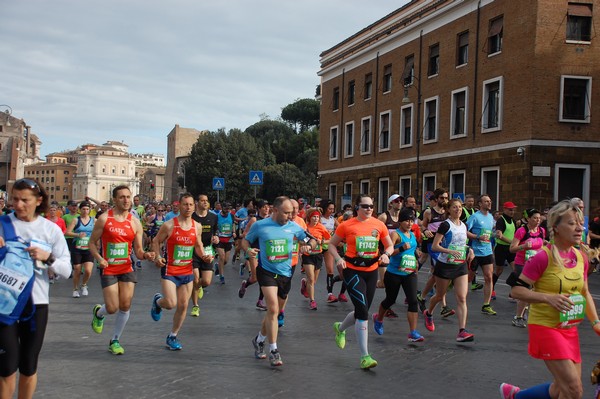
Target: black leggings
[
  {"x": 393, "y": 282},
  {"x": 22, "y": 342},
  {"x": 361, "y": 288}
]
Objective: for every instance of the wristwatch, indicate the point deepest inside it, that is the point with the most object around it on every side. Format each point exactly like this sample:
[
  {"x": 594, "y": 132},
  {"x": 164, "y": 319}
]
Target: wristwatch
[{"x": 50, "y": 260}]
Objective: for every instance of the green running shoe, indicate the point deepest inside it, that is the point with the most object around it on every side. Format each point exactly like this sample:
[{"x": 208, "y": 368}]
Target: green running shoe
[
  {"x": 367, "y": 362},
  {"x": 115, "y": 347},
  {"x": 97, "y": 322},
  {"x": 195, "y": 311},
  {"x": 340, "y": 336},
  {"x": 200, "y": 292}
]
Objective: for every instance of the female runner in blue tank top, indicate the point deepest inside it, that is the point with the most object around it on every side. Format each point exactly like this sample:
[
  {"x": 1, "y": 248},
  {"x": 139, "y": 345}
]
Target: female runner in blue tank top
[{"x": 80, "y": 229}]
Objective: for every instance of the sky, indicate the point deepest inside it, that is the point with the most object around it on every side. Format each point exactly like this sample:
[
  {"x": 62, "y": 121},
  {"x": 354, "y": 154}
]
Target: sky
[{"x": 85, "y": 72}]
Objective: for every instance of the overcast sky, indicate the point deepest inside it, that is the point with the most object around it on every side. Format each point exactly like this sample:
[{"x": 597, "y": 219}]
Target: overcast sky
[{"x": 129, "y": 70}]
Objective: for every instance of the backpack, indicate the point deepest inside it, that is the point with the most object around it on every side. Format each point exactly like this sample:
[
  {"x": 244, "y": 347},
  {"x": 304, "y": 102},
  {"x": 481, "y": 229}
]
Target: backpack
[{"x": 16, "y": 277}]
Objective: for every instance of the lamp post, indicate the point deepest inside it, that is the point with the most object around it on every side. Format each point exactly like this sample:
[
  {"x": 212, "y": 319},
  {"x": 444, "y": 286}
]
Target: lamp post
[{"x": 407, "y": 84}]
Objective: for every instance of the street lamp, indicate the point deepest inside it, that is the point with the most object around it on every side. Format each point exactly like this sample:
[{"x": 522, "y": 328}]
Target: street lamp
[
  {"x": 408, "y": 82},
  {"x": 7, "y": 113}
]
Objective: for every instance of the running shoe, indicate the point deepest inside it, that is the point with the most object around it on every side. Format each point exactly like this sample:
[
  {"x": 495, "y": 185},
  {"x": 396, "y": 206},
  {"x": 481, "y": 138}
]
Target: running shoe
[
  {"x": 280, "y": 319},
  {"x": 377, "y": 325},
  {"x": 421, "y": 302},
  {"x": 390, "y": 314},
  {"x": 195, "y": 311},
  {"x": 493, "y": 295},
  {"x": 342, "y": 298},
  {"x": 303, "y": 288},
  {"x": 173, "y": 343},
  {"x": 84, "y": 290},
  {"x": 155, "y": 309},
  {"x": 476, "y": 286},
  {"x": 465, "y": 336},
  {"x": 519, "y": 322},
  {"x": 508, "y": 391},
  {"x": 367, "y": 362},
  {"x": 97, "y": 322},
  {"x": 313, "y": 305},
  {"x": 200, "y": 292},
  {"x": 115, "y": 347},
  {"x": 331, "y": 298},
  {"x": 414, "y": 336},
  {"x": 242, "y": 268},
  {"x": 428, "y": 321},
  {"x": 275, "y": 358},
  {"x": 447, "y": 311},
  {"x": 487, "y": 309},
  {"x": 340, "y": 336},
  {"x": 260, "y": 304},
  {"x": 242, "y": 290},
  {"x": 259, "y": 348},
  {"x": 76, "y": 294},
  {"x": 222, "y": 279}
]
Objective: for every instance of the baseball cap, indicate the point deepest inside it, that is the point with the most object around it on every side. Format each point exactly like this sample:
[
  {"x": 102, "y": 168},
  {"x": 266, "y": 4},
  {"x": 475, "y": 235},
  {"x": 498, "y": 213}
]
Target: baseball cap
[
  {"x": 394, "y": 197},
  {"x": 509, "y": 205}
]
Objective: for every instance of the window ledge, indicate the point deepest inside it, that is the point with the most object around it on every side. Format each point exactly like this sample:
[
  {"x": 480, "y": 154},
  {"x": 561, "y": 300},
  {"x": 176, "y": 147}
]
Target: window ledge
[
  {"x": 491, "y": 129},
  {"x": 430, "y": 141},
  {"x": 384, "y": 149},
  {"x": 386, "y": 92},
  {"x": 458, "y": 136},
  {"x": 406, "y": 145},
  {"x": 433, "y": 76},
  {"x": 462, "y": 65},
  {"x": 365, "y": 153},
  {"x": 578, "y": 121},
  {"x": 494, "y": 54},
  {"x": 577, "y": 42}
]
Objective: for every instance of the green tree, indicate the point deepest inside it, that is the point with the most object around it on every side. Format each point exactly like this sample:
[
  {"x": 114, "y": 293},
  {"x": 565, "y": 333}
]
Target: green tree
[{"x": 302, "y": 114}]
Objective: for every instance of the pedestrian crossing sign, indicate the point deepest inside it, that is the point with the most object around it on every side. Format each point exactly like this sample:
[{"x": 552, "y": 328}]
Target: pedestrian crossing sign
[
  {"x": 256, "y": 177},
  {"x": 218, "y": 183}
]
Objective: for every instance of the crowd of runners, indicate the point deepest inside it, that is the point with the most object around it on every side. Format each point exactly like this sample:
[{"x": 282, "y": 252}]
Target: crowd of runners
[{"x": 551, "y": 250}]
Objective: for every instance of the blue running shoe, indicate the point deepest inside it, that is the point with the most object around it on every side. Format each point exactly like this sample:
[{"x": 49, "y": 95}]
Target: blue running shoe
[
  {"x": 414, "y": 336},
  {"x": 377, "y": 325},
  {"x": 173, "y": 343},
  {"x": 222, "y": 279},
  {"x": 155, "y": 310},
  {"x": 280, "y": 319}
]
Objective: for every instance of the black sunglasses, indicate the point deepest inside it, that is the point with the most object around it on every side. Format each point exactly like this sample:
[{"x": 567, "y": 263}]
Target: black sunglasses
[
  {"x": 23, "y": 184},
  {"x": 367, "y": 206}
]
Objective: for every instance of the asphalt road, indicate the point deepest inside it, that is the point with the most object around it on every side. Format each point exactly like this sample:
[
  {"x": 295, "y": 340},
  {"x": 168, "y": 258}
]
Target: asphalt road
[{"x": 217, "y": 360}]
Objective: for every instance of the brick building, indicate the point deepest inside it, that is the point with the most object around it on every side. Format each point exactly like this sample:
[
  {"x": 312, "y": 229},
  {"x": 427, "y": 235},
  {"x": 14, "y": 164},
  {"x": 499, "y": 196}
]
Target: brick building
[
  {"x": 476, "y": 96},
  {"x": 55, "y": 177}
]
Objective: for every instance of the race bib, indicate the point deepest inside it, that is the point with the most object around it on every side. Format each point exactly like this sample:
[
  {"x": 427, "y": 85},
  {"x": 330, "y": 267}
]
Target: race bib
[
  {"x": 463, "y": 254},
  {"x": 408, "y": 264},
  {"x": 485, "y": 235},
  {"x": 209, "y": 250},
  {"x": 277, "y": 250},
  {"x": 366, "y": 247},
  {"x": 12, "y": 281},
  {"x": 315, "y": 251},
  {"x": 82, "y": 243},
  {"x": 226, "y": 229},
  {"x": 576, "y": 314},
  {"x": 117, "y": 253},
  {"x": 182, "y": 255}
]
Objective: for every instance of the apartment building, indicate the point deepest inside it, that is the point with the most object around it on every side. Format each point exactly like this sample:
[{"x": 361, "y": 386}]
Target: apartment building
[
  {"x": 56, "y": 178},
  {"x": 489, "y": 96}
]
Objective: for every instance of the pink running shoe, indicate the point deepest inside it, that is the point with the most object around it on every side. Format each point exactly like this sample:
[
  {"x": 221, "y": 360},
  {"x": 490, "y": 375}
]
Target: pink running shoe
[
  {"x": 331, "y": 298},
  {"x": 343, "y": 298},
  {"x": 508, "y": 391}
]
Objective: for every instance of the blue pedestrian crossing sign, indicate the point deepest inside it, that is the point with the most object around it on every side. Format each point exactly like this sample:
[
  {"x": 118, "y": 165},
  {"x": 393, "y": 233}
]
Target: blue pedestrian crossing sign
[
  {"x": 218, "y": 183},
  {"x": 256, "y": 177}
]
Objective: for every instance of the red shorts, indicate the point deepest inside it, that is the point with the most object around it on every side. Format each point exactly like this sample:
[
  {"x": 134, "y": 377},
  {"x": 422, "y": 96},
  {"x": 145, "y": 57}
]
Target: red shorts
[{"x": 548, "y": 343}]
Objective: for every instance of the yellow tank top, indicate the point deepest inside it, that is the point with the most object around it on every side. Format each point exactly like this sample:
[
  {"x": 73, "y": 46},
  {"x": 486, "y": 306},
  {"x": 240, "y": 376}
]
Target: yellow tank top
[{"x": 557, "y": 279}]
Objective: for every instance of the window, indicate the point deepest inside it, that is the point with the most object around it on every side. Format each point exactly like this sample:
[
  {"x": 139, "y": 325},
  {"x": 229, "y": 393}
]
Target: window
[
  {"x": 383, "y": 194},
  {"x": 434, "y": 60},
  {"x": 333, "y": 192},
  {"x": 430, "y": 127},
  {"x": 365, "y": 187},
  {"x": 429, "y": 184},
  {"x": 387, "y": 78},
  {"x": 368, "y": 85},
  {"x": 348, "y": 189},
  {"x": 575, "y": 104},
  {"x": 351, "y": 92},
  {"x": 458, "y": 121},
  {"x": 572, "y": 180},
  {"x": 333, "y": 143},
  {"x": 406, "y": 125},
  {"x": 495, "y": 35},
  {"x": 462, "y": 51},
  {"x": 384, "y": 133},
  {"x": 489, "y": 183},
  {"x": 404, "y": 186},
  {"x": 579, "y": 22},
  {"x": 365, "y": 136},
  {"x": 492, "y": 105},
  {"x": 457, "y": 183},
  {"x": 66, "y": 179},
  {"x": 336, "y": 99},
  {"x": 349, "y": 140},
  {"x": 409, "y": 70}
]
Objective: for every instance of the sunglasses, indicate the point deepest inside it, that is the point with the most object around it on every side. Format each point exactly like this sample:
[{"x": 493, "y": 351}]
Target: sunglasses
[
  {"x": 23, "y": 184},
  {"x": 161, "y": 210},
  {"x": 367, "y": 206}
]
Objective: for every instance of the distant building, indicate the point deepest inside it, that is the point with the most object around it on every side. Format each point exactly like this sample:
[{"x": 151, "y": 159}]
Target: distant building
[
  {"x": 157, "y": 160},
  {"x": 151, "y": 179},
  {"x": 56, "y": 178},
  {"x": 476, "y": 96},
  {"x": 179, "y": 144}
]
